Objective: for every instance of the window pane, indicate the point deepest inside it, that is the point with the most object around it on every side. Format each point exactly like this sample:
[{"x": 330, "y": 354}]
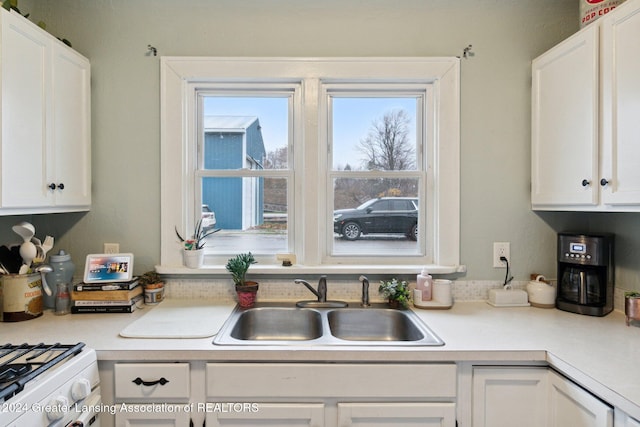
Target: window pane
[
  {"x": 246, "y": 132},
  {"x": 251, "y": 213},
  {"x": 374, "y": 133},
  {"x": 376, "y": 216}
]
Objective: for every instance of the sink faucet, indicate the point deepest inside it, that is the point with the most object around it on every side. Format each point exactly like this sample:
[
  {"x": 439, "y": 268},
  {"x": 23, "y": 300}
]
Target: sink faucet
[
  {"x": 321, "y": 293},
  {"x": 365, "y": 291}
]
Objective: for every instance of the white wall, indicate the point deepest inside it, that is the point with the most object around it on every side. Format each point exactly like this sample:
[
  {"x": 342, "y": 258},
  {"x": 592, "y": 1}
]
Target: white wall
[{"x": 506, "y": 35}]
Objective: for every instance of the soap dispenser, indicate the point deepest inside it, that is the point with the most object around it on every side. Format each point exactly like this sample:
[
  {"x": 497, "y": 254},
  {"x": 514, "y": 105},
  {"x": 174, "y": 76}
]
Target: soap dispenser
[{"x": 424, "y": 284}]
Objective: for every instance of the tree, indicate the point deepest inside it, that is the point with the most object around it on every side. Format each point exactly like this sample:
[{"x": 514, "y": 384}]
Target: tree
[
  {"x": 276, "y": 159},
  {"x": 387, "y": 146}
]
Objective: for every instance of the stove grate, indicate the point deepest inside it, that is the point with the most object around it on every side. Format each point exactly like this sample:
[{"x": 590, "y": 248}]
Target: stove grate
[{"x": 14, "y": 376}]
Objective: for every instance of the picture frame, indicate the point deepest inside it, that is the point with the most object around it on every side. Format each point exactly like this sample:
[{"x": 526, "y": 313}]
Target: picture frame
[{"x": 106, "y": 268}]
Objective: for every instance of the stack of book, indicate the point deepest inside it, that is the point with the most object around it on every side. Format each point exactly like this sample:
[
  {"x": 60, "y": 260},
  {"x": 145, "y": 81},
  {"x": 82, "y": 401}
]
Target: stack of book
[{"x": 116, "y": 297}]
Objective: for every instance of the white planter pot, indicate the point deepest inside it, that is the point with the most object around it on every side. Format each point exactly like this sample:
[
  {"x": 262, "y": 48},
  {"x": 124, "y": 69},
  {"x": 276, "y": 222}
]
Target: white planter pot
[{"x": 193, "y": 259}]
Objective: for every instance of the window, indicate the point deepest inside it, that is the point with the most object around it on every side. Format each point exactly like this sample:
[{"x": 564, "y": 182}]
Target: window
[
  {"x": 243, "y": 165},
  {"x": 377, "y": 143},
  {"x": 343, "y": 162}
]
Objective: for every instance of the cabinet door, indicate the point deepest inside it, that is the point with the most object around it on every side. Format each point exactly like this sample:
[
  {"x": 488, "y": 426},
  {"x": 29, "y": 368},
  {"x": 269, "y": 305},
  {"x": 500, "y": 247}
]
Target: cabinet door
[
  {"x": 621, "y": 109},
  {"x": 25, "y": 106},
  {"x": 158, "y": 381},
  {"x": 565, "y": 117},
  {"x": 70, "y": 160},
  {"x": 396, "y": 414},
  {"x": 267, "y": 414},
  {"x": 507, "y": 397},
  {"x": 572, "y": 406},
  {"x": 624, "y": 420},
  {"x": 151, "y": 418}
]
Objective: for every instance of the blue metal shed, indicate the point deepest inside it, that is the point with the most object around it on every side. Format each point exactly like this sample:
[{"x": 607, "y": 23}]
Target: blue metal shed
[{"x": 234, "y": 142}]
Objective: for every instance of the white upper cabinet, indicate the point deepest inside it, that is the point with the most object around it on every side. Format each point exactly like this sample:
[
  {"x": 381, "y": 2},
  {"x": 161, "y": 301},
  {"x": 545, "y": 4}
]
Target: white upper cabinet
[
  {"x": 584, "y": 118},
  {"x": 621, "y": 106},
  {"x": 45, "y": 120},
  {"x": 565, "y": 122},
  {"x": 71, "y": 154}
]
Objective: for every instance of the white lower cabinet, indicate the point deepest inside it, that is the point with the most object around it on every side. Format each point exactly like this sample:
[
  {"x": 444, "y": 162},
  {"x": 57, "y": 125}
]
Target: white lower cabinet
[
  {"x": 272, "y": 394},
  {"x": 152, "y": 394},
  {"x": 533, "y": 397},
  {"x": 331, "y": 395},
  {"x": 501, "y": 395},
  {"x": 396, "y": 414},
  {"x": 572, "y": 406},
  {"x": 149, "y": 418},
  {"x": 265, "y": 414}
]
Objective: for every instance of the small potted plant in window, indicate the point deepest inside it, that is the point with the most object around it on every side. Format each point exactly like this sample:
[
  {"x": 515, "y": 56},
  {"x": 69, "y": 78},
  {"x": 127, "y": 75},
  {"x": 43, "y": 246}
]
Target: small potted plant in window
[
  {"x": 246, "y": 290},
  {"x": 632, "y": 306},
  {"x": 193, "y": 247},
  {"x": 396, "y": 292}
]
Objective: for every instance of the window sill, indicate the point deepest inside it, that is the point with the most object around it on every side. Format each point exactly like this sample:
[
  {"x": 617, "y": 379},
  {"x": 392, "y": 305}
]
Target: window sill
[{"x": 302, "y": 269}]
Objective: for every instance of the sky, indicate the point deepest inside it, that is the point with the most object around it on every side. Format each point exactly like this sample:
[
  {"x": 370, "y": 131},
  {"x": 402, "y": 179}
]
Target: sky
[{"x": 352, "y": 119}]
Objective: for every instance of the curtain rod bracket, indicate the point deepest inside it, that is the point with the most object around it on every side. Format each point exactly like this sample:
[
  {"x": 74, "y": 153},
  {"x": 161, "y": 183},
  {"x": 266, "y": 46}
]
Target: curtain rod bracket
[
  {"x": 467, "y": 52},
  {"x": 151, "y": 51}
]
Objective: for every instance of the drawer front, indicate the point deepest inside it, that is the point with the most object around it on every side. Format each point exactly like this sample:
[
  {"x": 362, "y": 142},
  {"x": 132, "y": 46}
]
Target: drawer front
[
  {"x": 151, "y": 380},
  {"x": 330, "y": 380}
]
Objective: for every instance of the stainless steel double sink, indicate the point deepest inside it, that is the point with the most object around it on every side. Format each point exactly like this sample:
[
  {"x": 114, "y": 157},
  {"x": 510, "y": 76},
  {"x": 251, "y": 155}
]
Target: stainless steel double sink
[{"x": 285, "y": 324}]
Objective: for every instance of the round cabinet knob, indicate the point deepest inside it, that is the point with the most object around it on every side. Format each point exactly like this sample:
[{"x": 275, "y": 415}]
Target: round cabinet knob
[
  {"x": 53, "y": 186},
  {"x": 603, "y": 182},
  {"x": 80, "y": 389},
  {"x": 586, "y": 183},
  {"x": 57, "y": 408}
]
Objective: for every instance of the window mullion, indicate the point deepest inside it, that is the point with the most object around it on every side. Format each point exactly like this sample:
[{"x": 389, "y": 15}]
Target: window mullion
[{"x": 310, "y": 182}]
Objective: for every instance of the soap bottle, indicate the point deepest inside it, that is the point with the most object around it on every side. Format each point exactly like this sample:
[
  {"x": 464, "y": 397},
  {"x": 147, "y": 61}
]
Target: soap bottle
[{"x": 424, "y": 284}]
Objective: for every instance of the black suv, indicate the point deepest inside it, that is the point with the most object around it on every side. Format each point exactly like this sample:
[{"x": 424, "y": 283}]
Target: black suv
[{"x": 382, "y": 215}]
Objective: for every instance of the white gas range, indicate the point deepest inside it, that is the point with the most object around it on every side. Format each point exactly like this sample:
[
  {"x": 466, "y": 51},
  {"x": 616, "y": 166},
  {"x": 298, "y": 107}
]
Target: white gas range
[{"x": 49, "y": 385}]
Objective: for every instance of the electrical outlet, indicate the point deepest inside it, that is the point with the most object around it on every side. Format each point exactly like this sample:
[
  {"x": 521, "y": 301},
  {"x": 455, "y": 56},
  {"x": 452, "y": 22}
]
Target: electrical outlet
[
  {"x": 501, "y": 249},
  {"x": 111, "y": 248}
]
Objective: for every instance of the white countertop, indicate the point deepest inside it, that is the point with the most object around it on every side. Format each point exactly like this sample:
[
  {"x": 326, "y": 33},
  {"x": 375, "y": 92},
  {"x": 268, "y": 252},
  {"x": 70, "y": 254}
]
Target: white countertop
[{"x": 597, "y": 352}]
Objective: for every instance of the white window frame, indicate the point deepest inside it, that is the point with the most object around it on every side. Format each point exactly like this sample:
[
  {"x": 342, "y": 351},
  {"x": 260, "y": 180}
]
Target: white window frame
[
  {"x": 424, "y": 164},
  {"x": 181, "y": 78},
  {"x": 290, "y": 90}
]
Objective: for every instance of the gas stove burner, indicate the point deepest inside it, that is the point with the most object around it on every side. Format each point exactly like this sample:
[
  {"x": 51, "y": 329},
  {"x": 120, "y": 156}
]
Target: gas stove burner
[
  {"x": 14, "y": 371},
  {"x": 49, "y": 384},
  {"x": 19, "y": 364}
]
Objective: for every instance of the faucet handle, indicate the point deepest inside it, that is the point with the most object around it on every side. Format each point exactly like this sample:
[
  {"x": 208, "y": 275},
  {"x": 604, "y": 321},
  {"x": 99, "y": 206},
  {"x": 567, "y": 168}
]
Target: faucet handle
[{"x": 365, "y": 291}]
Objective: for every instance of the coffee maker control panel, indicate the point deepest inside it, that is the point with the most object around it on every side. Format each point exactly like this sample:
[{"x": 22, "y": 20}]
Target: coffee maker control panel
[{"x": 580, "y": 249}]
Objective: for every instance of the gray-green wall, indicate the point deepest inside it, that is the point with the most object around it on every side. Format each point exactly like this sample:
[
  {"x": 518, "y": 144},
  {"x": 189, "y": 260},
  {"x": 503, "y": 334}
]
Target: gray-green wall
[{"x": 506, "y": 35}]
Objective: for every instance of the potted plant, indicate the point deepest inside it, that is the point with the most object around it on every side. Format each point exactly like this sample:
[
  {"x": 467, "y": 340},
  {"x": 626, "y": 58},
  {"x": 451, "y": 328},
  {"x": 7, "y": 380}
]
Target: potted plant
[
  {"x": 246, "y": 290},
  {"x": 632, "y": 306},
  {"x": 193, "y": 247},
  {"x": 153, "y": 287},
  {"x": 150, "y": 280},
  {"x": 396, "y": 292}
]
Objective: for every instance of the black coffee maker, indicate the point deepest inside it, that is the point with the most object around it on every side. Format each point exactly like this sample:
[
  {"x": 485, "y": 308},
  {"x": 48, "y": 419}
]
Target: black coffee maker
[{"x": 585, "y": 273}]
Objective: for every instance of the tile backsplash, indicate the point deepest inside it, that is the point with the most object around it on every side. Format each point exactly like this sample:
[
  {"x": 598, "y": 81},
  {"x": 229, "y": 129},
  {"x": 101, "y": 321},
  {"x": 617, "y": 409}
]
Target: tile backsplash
[{"x": 279, "y": 290}]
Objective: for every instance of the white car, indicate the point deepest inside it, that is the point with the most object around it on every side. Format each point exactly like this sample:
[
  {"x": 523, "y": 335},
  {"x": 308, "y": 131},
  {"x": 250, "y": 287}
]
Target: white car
[{"x": 208, "y": 218}]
